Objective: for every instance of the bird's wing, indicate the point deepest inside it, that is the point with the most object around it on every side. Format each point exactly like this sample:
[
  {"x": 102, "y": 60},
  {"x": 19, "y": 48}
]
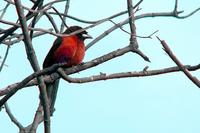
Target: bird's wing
[{"x": 48, "y": 60}]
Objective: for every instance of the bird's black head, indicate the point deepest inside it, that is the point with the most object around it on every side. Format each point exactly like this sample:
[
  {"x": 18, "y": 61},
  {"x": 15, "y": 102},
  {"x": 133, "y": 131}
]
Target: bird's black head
[{"x": 82, "y": 34}]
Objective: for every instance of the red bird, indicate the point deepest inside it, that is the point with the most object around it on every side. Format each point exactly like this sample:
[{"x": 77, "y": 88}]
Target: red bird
[{"x": 69, "y": 50}]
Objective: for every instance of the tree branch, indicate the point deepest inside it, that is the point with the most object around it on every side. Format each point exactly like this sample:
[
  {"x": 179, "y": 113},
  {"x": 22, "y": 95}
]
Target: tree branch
[
  {"x": 179, "y": 64},
  {"x": 34, "y": 63},
  {"x": 4, "y": 10},
  {"x": 87, "y": 21},
  {"x": 12, "y": 118},
  {"x": 5, "y": 57},
  {"x": 30, "y": 81},
  {"x": 65, "y": 13},
  {"x": 133, "y": 39},
  {"x": 37, "y": 119},
  {"x": 75, "y": 69},
  {"x": 12, "y": 29},
  {"x": 19, "y": 38}
]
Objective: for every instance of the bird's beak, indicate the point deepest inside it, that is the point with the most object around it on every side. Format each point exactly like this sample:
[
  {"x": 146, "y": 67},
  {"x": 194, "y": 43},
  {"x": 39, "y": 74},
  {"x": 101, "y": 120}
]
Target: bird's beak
[{"x": 87, "y": 36}]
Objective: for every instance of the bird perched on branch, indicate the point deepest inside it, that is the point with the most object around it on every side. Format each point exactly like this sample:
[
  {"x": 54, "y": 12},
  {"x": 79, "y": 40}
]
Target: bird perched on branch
[{"x": 69, "y": 50}]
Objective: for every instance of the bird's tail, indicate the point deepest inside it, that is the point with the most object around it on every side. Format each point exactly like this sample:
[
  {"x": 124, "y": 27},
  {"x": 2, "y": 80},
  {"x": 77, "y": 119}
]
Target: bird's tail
[{"x": 52, "y": 90}]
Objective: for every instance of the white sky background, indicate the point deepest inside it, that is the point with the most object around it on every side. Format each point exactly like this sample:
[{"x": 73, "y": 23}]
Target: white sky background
[{"x": 165, "y": 103}]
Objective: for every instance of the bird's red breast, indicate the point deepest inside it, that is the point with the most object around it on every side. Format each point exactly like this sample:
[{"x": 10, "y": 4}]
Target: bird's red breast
[
  {"x": 67, "y": 49},
  {"x": 71, "y": 50}
]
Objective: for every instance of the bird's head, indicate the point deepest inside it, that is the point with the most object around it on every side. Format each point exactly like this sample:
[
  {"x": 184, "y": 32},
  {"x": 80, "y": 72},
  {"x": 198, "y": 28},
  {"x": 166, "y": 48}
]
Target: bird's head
[{"x": 81, "y": 33}]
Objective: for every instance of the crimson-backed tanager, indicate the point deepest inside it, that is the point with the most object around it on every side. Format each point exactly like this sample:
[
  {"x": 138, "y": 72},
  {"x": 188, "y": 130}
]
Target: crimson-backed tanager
[{"x": 69, "y": 50}]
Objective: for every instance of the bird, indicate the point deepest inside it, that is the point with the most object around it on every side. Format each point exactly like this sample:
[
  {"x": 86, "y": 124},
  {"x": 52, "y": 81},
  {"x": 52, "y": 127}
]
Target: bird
[{"x": 69, "y": 50}]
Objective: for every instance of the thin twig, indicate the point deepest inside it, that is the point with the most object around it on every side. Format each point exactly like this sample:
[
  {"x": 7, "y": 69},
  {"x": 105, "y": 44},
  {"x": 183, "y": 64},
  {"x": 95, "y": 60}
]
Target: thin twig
[
  {"x": 189, "y": 14},
  {"x": 37, "y": 119},
  {"x": 176, "y": 6},
  {"x": 179, "y": 64},
  {"x": 4, "y": 10},
  {"x": 34, "y": 29},
  {"x": 60, "y": 16},
  {"x": 64, "y": 18},
  {"x": 5, "y": 57},
  {"x": 20, "y": 37},
  {"x": 93, "y": 22},
  {"x": 12, "y": 117},
  {"x": 36, "y": 18},
  {"x": 90, "y": 22},
  {"x": 44, "y": 8},
  {"x": 185, "y": 16},
  {"x": 106, "y": 33},
  {"x": 29, "y": 15},
  {"x": 52, "y": 21},
  {"x": 149, "y": 36},
  {"x": 140, "y": 53},
  {"x": 146, "y": 15}
]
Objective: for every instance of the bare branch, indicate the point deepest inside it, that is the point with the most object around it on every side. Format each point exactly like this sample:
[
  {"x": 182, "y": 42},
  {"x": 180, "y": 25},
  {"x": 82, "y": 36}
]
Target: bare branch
[
  {"x": 176, "y": 6},
  {"x": 37, "y": 119},
  {"x": 90, "y": 22},
  {"x": 118, "y": 25},
  {"x": 33, "y": 61},
  {"x": 74, "y": 69},
  {"x": 180, "y": 65},
  {"x": 5, "y": 57},
  {"x": 106, "y": 33},
  {"x": 176, "y": 14},
  {"x": 30, "y": 81},
  {"x": 139, "y": 52},
  {"x": 104, "y": 76},
  {"x": 149, "y": 36},
  {"x": 21, "y": 37},
  {"x": 93, "y": 22},
  {"x": 12, "y": 117},
  {"x": 63, "y": 21},
  {"x": 33, "y": 10},
  {"x": 189, "y": 14},
  {"x": 139, "y": 2},
  {"x": 52, "y": 21},
  {"x": 34, "y": 29},
  {"x": 4, "y": 10},
  {"x": 14, "y": 28},
  {"x": 64, "y": 18},
  {"x": 133, "y": 39}
]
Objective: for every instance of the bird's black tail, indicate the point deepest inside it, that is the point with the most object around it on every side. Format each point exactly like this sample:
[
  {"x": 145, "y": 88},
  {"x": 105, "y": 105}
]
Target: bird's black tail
[{"x": 52, "y": 90}]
